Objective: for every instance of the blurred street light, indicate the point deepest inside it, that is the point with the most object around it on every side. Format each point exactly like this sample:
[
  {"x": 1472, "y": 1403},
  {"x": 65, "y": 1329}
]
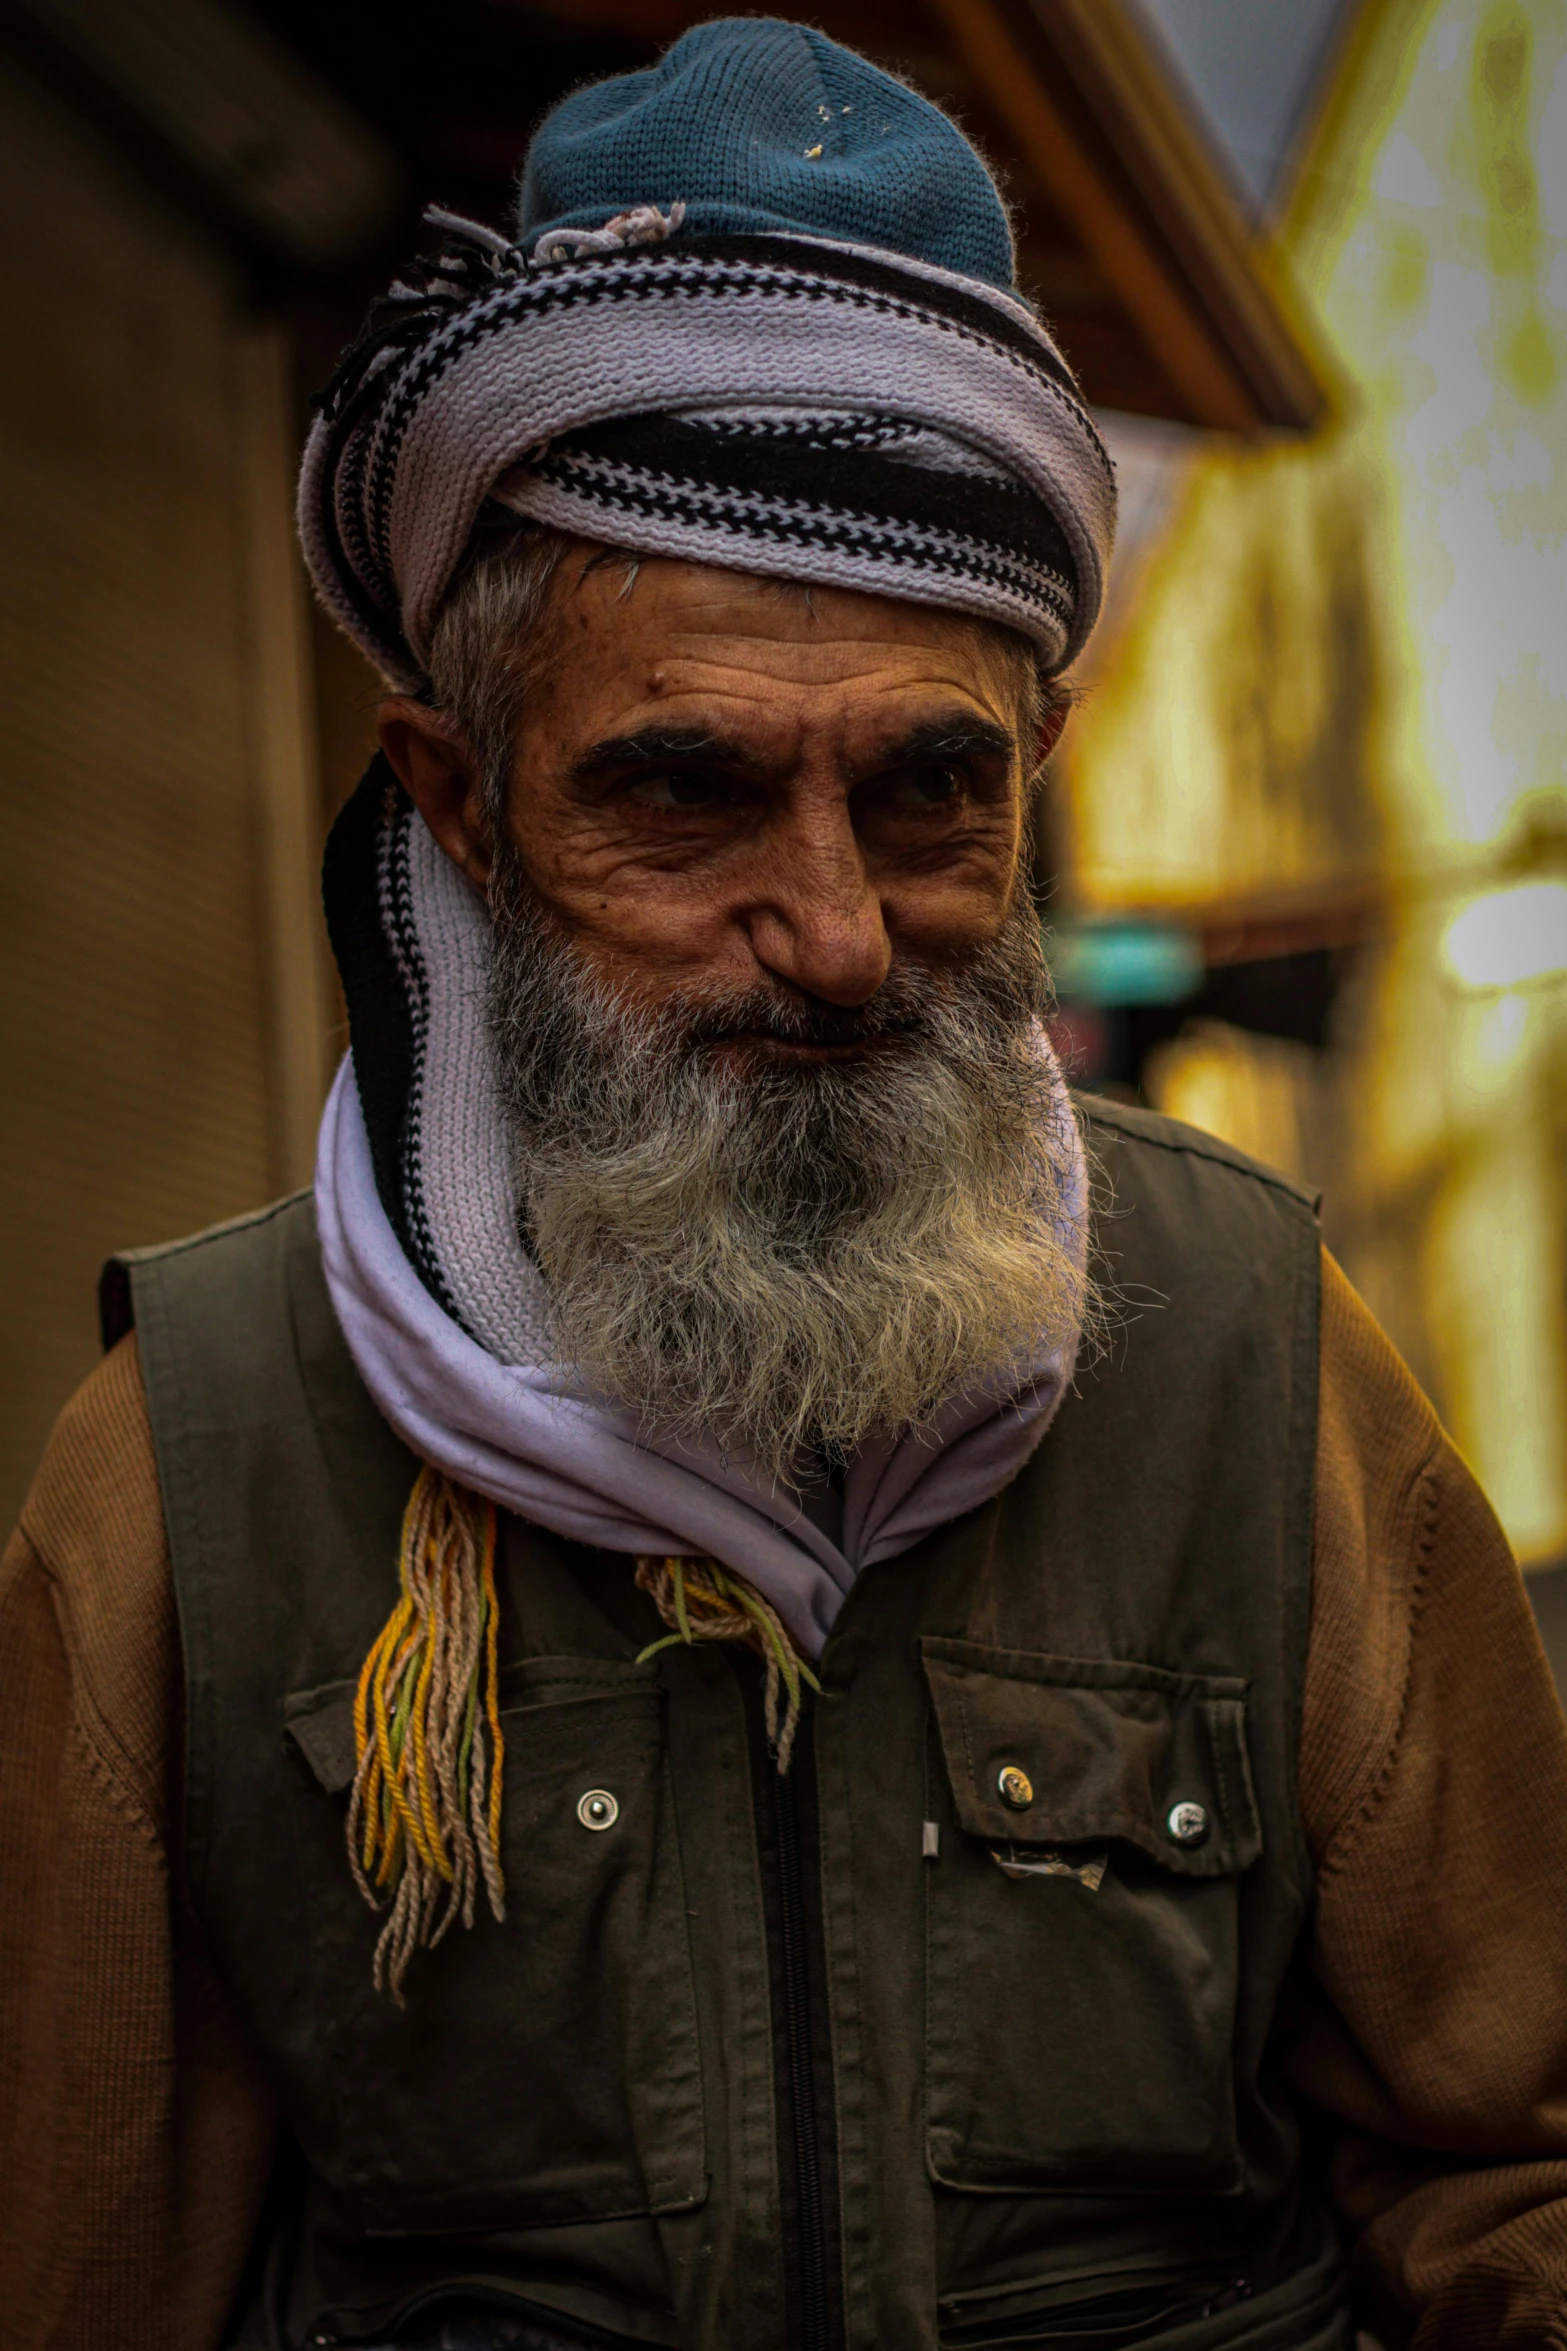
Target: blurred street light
[{"x": 1508, "y": 938}]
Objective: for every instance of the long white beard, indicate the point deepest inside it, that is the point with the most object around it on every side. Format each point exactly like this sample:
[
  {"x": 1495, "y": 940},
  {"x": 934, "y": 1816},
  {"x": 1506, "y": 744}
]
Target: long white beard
[{"x": 790, "y": 1258}]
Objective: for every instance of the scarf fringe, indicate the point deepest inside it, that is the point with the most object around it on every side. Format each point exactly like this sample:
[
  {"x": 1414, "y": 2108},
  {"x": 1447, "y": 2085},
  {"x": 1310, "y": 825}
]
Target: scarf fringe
[
  {"x": 424, "y": 1819},
  {"x": 701, "y": 1601}
]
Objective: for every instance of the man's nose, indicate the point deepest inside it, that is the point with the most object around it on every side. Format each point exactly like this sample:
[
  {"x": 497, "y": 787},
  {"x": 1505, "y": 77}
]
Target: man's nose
[{"x": 818, "y": 921}]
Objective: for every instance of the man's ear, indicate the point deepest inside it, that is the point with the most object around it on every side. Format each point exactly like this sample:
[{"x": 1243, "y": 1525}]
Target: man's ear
[
  {"x": 437, "y": 770},
  {"x": 1049, "y": 731}
]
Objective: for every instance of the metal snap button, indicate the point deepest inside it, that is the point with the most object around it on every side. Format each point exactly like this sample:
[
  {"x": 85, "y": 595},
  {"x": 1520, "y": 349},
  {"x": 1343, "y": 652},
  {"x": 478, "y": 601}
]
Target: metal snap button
[
  {"x": 1017, "y": 1789},
  {"x": 597, "y": 1809},
  {"x": 1188, "y": 1823}
]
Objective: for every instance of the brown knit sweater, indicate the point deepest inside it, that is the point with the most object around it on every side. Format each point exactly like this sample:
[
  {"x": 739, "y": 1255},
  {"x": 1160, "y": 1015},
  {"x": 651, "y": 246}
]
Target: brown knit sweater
[{"x": 136, "y": 2128}]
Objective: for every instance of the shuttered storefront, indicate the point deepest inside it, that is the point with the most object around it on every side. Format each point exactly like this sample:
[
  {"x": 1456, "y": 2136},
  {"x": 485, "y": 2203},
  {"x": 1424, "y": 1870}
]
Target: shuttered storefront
[{"x": 160, "y": 1041}]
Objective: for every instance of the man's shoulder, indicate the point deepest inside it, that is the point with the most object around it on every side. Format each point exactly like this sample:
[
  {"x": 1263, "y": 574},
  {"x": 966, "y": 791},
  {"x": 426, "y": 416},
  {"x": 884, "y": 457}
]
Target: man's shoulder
[
  {"x": 1180, "y": 1215},
  {"x": 1127, "y": 1131},
  {"x": 219, "y": 1254},
  {"x": 92, "y": 1528},
  {"x": 97, "y": 1476}
]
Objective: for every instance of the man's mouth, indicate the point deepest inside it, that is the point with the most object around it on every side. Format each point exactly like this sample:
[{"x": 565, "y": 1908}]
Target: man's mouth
[{"x": 766, "y": 1045}]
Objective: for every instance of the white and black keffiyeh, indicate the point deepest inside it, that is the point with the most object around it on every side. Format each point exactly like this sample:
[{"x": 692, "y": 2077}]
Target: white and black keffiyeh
[
  {"x": 783, "y": 405},
  {"x": 413, "y": 943}
]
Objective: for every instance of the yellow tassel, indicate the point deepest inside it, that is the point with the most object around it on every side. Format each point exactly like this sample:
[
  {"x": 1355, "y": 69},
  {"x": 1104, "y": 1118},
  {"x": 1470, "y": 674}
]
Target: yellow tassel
[
  {"x": 424, "y": 1818},
  {"x": 702, "y": 1601}
]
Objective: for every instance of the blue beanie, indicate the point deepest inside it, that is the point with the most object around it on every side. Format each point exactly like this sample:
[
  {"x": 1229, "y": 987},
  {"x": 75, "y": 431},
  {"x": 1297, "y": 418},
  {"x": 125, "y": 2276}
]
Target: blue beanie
[{"x": 763, "y": 128}]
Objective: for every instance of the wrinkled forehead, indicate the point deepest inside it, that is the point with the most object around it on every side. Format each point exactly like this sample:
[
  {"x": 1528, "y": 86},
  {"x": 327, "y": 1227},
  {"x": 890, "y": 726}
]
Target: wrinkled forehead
[{"x": 662, "y": 643}]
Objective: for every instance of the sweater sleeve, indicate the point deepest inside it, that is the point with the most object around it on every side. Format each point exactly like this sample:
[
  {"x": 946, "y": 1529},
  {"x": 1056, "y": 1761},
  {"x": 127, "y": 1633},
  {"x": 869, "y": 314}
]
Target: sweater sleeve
[
  {"x": 1434, "y": 1791},
  {"x": 136, "y": 2132}
]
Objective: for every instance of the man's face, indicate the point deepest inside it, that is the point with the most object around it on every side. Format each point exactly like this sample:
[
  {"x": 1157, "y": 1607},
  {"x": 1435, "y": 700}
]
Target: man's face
[
  {"x": 722, "y": 783},
  {"x": 764, "y": 1005}
]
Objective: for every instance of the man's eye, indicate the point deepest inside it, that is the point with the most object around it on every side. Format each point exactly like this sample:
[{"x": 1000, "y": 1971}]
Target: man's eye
[
  {"x": 935, "y": 784},
  {"x": 672, "y": 788}
]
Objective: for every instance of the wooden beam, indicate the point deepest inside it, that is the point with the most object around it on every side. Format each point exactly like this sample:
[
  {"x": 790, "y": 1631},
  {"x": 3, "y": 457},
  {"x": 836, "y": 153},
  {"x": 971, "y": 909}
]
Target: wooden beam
[
  {"x": 1055, "y": 154},
  {"x": 1100, "y": 131},
  {"x": 1192, "y": 201}
]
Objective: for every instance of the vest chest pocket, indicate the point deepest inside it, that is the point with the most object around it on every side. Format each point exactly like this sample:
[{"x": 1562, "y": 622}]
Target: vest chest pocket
[
  {"x": 1082, "y": 1923},
  {"x": 545, "y": 2068}
]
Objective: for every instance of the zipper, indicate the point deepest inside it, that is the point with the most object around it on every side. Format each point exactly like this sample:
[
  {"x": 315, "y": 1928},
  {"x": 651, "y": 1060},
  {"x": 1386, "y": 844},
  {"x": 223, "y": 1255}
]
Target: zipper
[
  {"x": 1124, "y": 2317},
  {"x": 799, "y": 2053}
]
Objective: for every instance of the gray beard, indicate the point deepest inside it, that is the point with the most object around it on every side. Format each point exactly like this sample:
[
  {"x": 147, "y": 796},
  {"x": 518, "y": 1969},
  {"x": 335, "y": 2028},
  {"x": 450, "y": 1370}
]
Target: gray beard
[{"x": 787, "y": 1258}]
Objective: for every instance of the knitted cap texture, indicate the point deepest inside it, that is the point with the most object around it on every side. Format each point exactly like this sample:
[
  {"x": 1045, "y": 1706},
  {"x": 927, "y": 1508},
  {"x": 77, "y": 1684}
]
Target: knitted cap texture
[{"x": 761, "y": 128}]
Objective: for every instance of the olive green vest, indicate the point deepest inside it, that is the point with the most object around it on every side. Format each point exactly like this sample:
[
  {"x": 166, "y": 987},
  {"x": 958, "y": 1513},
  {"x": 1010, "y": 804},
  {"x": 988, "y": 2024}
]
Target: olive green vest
[{"x": 872, "y": 2060}]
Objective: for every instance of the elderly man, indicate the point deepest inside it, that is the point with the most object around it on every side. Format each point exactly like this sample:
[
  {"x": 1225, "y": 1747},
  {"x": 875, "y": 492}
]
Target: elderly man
[{"x": 756, "y": 1687}]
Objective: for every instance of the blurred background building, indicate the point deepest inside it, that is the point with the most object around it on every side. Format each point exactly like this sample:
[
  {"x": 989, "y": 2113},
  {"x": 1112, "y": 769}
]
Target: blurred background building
[{"x": 1306, "y": 843}]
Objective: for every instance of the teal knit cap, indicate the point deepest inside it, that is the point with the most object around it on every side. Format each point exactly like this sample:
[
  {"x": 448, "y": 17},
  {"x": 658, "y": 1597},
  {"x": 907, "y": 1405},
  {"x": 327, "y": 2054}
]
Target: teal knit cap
[{"x": 762, "y": 128}]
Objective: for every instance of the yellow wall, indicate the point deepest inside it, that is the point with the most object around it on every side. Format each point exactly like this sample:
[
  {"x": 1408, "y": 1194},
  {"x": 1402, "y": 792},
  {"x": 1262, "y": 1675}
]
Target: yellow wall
[{"x": 1344, "y": 669}]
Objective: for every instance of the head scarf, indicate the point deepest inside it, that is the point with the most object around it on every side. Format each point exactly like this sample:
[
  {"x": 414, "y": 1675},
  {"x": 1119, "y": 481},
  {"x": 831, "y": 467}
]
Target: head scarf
[{"x": 759, "y": 313}]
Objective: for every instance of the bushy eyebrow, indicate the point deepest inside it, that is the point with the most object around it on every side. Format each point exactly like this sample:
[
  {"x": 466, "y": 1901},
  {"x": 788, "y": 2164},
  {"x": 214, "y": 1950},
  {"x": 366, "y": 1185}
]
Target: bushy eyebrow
[
  {"x": 958, "y": 735},
  {"x": 693, "y": 746}
]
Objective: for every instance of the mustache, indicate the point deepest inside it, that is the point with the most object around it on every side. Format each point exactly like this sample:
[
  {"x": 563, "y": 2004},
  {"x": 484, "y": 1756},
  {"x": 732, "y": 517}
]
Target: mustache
[
  {"x": 772, "y": 1016},
  {"x": 912, "y": 1005}
]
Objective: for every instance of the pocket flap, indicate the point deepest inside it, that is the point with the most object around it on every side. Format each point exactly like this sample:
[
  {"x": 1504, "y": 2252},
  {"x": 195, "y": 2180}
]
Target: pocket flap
[
  {"x": 1096, "y": 1750},
  {"x": 321, "y": 1722},
  {"x": 321, "y": 1725}
]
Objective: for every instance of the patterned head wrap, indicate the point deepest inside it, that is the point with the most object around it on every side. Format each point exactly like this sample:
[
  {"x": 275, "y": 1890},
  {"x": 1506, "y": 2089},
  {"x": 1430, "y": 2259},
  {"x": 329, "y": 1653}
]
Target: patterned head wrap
[{"x": 759, "y": 315}]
